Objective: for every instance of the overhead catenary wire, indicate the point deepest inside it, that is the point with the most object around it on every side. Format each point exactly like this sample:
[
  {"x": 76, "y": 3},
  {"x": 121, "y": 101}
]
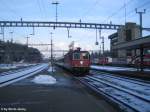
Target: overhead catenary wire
[
  {"x": 132, "y": 12},
  {"x": 118, "y": 11},
  {"x": 91, "y": 8},
  {"x": 8, "y": 7},
  {"x": 125, "y": 13},
  {"x": 12, "y": 11},
  {"x": 41, "y": 12},
  {"x": 39, "y": 6},
  {"x": 2, "y": 19},
  {"x": 43, "y": 7}
]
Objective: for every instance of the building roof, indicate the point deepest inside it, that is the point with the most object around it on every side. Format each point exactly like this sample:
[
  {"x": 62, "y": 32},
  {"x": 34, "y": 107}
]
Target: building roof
[
  {"x": 113, "y": 35},
  {"x": 134, "y": 44}
]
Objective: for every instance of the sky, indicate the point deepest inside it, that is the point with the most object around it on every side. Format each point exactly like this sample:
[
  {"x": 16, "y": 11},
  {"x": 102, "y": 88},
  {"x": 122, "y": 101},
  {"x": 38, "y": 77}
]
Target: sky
[{"x": 93, "y": 11}]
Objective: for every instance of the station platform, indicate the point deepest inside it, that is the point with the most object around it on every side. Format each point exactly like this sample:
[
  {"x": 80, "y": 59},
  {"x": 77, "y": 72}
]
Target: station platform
[
  {"x": 66, "y": 95},
  {"x": 124, "y": 71}
]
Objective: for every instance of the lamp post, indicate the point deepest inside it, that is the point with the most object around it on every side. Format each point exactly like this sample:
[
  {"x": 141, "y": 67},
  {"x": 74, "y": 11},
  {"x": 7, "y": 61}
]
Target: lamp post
[{"x": 56, "y": 5}]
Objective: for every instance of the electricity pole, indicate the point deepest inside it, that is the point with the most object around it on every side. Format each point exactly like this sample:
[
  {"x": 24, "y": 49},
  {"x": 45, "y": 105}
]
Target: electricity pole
[
  {"x": 11, "y": 33},
  {"x": 103, "y": 50},
  {"x": 51, "y": 51},
  {"x": 140, "y": 17},
  {"x": 102, "y": 44},
  {"x": 96, "y": 43},
  {"x": 3, "y": 34},
  {"x": 10, "y": 49},
  {"x": 56, "y": 5},
  {"x": 27, "y": 43},
  {"x": 99, "y": 44}
]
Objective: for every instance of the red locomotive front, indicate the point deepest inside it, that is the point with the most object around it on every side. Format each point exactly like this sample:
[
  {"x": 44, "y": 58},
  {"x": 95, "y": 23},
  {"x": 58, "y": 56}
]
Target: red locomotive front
[
  {"x": 77, "y": 61},
  {"x": 80, "y": 61}
]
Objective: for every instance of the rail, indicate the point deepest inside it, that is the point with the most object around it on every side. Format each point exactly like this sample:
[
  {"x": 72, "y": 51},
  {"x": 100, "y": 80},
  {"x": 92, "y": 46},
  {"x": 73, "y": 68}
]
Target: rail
[
  {"x": 128, "y": 93},
  {"x": 14, "y": 76}
]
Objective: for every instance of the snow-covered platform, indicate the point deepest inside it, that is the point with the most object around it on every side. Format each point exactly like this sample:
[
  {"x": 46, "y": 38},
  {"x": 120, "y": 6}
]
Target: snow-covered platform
[
  {"x": 127, "y": 71},
  {"x": 51, "y": 92},
  {"x": 10, "y": 77}
]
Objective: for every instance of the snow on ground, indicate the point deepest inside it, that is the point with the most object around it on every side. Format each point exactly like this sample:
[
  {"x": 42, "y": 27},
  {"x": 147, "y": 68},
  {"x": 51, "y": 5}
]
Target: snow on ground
[
  {"x": 7, "y": 66},
  {"x": 50, "y": 69},
  {"x": 141, "y": 89},
  {"x": 44, "y": 79},
  {"x": 12, "y": 77},
  {"x": 14, "y": 65},
  {"x": 148, "y": 70},
  {"x": 112, "y": 68},
  {"x": 131, "y": 94}
]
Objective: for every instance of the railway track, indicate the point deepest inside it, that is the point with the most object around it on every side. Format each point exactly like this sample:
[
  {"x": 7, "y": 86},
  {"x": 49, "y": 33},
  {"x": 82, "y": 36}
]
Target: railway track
[
  {"x": 129, "y": 94},
  {"x": 141, "y": 89},
  {"x": 15, "y": 71},
  {"x": 16, "y": 75},
  {"x": 120, "y": 77}
]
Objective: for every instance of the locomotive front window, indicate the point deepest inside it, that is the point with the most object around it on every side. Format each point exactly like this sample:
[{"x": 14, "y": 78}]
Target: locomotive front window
[
  {"x": 85, "y": 55},
  {"x": 76, "y": 56}
]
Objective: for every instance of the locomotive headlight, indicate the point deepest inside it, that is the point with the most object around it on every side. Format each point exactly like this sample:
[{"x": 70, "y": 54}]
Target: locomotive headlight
[{"x": 81, "y": 62}]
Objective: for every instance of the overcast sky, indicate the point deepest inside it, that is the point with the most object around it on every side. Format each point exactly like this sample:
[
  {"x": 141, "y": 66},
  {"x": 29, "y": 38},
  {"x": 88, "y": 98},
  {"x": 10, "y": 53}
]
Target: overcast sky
[{"x": 95, "y": 11}]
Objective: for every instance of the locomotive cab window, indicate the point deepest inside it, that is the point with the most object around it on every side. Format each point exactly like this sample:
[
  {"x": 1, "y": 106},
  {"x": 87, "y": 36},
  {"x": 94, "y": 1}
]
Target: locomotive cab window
[
  {"x": 76, "y": 56},
  {"x": 85, "y": 55}
]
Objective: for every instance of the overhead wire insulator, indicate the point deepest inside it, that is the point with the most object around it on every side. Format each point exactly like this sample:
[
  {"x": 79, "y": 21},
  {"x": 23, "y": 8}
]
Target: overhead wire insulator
[
  {"x": 96, "y": 43},
  {"x": 33, "y": 31},
  {"x": 1, "y": 31},
  {"x": 99, "y": 33},
  {"x": 68, "y": 31}
]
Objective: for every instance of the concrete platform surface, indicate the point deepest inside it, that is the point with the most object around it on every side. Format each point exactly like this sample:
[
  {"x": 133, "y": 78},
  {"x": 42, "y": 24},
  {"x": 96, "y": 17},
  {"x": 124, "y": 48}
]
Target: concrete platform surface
[{"x": 66, "y": 95}]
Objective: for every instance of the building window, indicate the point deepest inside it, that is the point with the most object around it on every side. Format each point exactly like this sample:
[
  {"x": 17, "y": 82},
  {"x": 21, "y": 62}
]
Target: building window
[
  {"x": 129, "y": 53},
  {"x": 128, "y": 35}
]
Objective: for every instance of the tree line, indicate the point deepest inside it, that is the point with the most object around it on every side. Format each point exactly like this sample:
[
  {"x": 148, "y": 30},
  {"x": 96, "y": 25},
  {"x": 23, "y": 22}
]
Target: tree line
[{"x": 14, "y": 52}]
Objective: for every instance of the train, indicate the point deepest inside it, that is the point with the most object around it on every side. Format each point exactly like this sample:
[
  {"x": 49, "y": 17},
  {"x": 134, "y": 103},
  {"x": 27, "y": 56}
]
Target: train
[
  {"x": 129, "y": 61},
  {"x": 102, "y": 61},
  {"x": 146, "y": 60},
  {"x": 76, "y": 61}
]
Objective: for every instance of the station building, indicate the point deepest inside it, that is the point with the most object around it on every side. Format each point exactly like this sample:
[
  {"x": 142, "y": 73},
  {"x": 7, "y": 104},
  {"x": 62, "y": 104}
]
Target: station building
[{"x": 128, "y": 32}]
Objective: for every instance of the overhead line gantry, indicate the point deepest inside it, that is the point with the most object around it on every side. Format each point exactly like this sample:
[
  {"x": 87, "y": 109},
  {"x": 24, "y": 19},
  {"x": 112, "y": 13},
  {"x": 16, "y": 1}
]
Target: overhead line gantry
[
  {"x": 61, "y": 25},
  {"x": 58, "y": 24}
]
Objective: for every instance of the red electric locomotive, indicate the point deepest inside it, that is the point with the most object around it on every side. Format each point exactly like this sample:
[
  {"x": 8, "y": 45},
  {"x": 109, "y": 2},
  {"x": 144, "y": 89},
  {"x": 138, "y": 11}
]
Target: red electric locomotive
[{"x": 77, "y": 61}]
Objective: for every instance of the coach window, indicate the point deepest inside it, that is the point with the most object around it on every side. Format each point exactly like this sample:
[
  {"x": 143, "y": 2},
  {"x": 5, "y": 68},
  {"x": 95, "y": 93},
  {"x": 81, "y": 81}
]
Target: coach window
[
  {"x": 85, "y": 55},
  {"x": 76, "y": 56}
]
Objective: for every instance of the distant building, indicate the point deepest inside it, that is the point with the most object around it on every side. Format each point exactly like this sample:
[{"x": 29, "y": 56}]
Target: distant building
[{"x": 130, "y": 31}]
